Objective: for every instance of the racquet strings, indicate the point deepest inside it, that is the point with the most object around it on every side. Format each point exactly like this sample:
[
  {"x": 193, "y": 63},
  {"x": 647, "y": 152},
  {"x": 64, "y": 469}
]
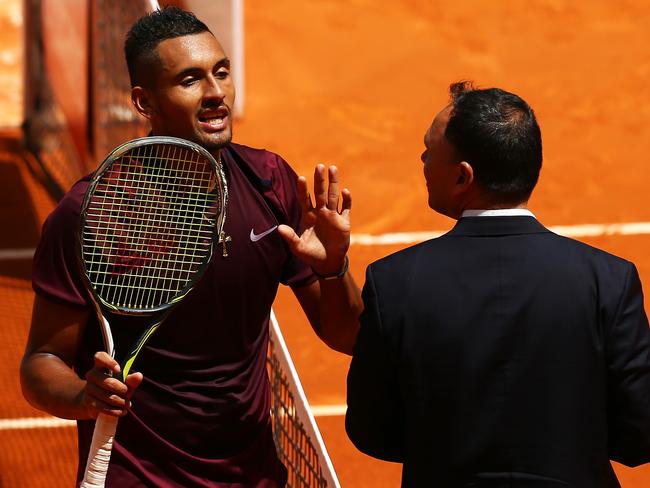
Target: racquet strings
[{"x": 149, "y": 226}]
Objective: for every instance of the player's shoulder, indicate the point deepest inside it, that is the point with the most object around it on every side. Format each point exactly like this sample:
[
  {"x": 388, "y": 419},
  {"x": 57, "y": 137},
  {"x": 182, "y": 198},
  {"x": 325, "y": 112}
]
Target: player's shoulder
[
  {"x": 73, "y": 199},
  {"x": 273, "y": 177},
  {"x": 65, "y": 215},
  {"x": 259, "y": 158}
]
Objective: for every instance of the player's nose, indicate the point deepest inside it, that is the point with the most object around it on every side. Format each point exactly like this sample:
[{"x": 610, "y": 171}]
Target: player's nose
[{"x": 213, "y": 89}]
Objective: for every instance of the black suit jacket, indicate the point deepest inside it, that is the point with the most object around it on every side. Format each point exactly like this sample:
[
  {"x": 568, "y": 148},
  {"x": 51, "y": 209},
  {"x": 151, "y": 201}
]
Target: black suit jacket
[{"x": 502, "y": 355}]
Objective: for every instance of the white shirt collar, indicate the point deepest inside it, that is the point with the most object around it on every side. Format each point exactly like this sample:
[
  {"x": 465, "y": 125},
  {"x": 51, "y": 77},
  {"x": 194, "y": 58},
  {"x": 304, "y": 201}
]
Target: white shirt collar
[{"x": 498, "y": 212}]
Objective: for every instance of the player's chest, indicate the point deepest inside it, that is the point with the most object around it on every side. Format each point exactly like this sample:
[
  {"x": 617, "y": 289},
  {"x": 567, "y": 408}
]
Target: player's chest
[{"x": 250, "y": 245}]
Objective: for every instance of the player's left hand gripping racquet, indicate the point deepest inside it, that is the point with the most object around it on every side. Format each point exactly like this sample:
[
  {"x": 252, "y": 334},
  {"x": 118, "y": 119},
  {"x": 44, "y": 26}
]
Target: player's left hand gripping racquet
[{"x": 153, "y": 212}]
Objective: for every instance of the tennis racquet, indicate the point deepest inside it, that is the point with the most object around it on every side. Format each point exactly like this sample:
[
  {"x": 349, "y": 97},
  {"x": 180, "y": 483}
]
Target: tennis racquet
[{"x": 149, "y": 221}]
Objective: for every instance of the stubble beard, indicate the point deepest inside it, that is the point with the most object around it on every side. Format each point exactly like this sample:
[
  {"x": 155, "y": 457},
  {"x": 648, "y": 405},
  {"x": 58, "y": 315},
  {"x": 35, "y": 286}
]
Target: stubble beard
[{"x": 215, "y": 144}]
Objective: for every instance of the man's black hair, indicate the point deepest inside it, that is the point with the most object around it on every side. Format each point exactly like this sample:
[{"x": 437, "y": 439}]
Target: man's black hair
[
  {"x": 149, "y": 31},
  {"x": 497, "y": 133}
]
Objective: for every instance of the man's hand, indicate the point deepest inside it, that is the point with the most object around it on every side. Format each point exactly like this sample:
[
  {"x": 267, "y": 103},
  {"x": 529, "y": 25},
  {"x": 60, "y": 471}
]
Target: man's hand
[
  {"x": 106, "y": 394},
  {"x": 325, "y": 236}
]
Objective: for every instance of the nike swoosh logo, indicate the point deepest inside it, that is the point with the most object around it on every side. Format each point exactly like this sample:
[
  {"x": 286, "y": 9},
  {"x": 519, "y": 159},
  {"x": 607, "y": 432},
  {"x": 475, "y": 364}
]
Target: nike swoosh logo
[{"x": 256, "y": 237}]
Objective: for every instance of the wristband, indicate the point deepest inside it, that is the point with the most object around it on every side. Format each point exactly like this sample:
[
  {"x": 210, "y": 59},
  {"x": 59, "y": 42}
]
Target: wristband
[{"x": 335, "y": 276}]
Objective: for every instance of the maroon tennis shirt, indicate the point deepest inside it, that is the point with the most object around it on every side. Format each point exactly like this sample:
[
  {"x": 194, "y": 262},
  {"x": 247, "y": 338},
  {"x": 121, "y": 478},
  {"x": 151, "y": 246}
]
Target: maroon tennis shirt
[{"x": 201, "y": 415}]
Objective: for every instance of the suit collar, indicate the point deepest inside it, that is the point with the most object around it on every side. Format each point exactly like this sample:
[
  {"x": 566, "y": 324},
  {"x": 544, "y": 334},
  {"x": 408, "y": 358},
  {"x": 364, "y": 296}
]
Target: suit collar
[
  {"x": 497, "y": 212},
  {"x": 497, "y": 226}
]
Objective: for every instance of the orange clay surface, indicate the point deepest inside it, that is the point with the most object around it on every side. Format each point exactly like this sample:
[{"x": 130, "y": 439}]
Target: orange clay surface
[{"x": 356, "y": 83}]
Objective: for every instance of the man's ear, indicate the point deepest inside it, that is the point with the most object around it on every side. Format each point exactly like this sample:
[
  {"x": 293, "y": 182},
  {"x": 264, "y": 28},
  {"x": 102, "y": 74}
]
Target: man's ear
[
  {"x": 142, "y": 101},
  {"x": 465, "y": 177}
]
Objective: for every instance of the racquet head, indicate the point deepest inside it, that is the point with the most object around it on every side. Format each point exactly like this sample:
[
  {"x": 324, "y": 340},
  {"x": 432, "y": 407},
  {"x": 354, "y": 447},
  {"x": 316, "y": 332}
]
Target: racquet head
[{"x": 152, "y": 213}]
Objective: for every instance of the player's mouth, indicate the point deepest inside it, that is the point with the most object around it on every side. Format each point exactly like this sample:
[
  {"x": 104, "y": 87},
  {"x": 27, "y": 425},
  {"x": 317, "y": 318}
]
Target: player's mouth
[{"x": 214, "y": 119}]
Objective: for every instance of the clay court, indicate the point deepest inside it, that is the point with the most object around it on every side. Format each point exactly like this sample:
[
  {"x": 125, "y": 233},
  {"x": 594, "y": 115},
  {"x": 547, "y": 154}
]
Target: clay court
[{"x": 356, "y": 83}]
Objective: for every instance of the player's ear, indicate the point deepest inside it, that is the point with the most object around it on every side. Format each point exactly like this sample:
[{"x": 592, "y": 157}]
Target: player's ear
[
  {"x": 465, "y": 177},
  {"x": 143, "y": 102}
]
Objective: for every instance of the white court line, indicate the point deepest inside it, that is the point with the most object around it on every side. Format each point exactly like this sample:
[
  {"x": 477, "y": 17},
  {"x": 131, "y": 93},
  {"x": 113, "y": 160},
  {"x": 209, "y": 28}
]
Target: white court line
[
  {"x": 329, "y": 410},
  {"x": 591, "y": 230},
  {"x": 16, "y": 254},
  {"x": 55, "y": 423},
  {"x": 35, "y": 423}
]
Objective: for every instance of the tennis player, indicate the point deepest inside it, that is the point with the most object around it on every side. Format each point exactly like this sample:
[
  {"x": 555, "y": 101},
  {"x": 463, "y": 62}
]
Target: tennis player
[{"x": 197, "y": 412}]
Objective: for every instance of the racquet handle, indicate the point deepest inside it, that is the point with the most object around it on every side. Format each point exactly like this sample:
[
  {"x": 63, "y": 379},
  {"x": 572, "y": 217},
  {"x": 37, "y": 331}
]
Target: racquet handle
[{"x": 100, "y": 452}]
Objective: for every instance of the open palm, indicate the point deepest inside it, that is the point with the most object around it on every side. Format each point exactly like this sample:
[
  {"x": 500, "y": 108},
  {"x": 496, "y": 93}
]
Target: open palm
[{"x": 325, "y": 237}]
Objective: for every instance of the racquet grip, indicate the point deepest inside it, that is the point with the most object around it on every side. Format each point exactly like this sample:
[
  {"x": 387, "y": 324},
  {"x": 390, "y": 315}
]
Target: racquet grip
[{"x": 100, "y": 452}]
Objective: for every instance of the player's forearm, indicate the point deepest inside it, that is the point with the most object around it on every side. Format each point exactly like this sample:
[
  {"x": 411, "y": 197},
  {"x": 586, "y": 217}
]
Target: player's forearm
[
  {"x": 50, "y": 385},
  {"x": 340, "y": 307}
]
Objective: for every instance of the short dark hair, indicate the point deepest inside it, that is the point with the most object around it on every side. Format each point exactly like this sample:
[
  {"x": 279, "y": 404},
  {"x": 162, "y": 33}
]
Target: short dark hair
[
  {"x": 497, "y": 133},
  {"x": 150, "y": 30}
]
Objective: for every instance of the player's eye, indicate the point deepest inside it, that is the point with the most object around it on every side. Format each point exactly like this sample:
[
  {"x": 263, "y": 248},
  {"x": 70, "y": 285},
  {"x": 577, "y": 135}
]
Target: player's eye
[
  {"x": 222, "y": 73},
  {"x": 189, "y": 80}
]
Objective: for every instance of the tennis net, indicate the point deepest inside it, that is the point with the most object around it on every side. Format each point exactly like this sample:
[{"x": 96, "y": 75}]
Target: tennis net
[
  {"x": 297, "y": 438},
  {"x": 77, "y": 89},
  {"x": 113, "y": 119}
]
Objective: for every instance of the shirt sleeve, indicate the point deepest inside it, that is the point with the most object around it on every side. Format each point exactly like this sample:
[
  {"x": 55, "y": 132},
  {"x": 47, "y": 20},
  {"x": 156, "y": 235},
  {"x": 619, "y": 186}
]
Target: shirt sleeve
[
  {"x": 55, "y": 271},
  {"x": 628, "y": 357},
  {"x": 295, "y": 272},
  {"x": 373, "y": 420}
]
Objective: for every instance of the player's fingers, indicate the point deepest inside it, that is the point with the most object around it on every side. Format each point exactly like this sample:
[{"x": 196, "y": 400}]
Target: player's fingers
[
  {"x": 303, "y": 195},
  {"x": 110, "y": 396},
  {"x": 132, "y": 382},
  {"x": 333, "y": 188},
  {"x": 98, "y": 400},
  {"x": 346, "y": 204},
  {"x": 289, "y": 235},
  {"x": 94, "y": 407},
  {"x": 99, "y": 380},
  {"x": 320, "y": 186},
  {"x": 103, "y": 360}
]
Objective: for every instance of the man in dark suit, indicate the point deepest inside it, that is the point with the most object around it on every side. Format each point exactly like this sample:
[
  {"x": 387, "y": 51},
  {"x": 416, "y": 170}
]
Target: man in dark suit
[{"x": 500, "y": 354}]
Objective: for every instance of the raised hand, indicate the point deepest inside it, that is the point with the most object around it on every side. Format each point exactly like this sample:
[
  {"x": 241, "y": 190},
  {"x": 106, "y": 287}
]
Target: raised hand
[{"x": 325, "y": 237}]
